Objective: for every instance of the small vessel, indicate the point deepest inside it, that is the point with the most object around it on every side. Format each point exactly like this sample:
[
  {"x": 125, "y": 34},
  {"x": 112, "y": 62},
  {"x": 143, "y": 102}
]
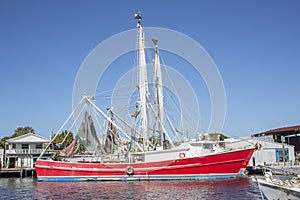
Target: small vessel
[
  {"x": 272, "y": 188},
  {"x": 143, "y": 150}
]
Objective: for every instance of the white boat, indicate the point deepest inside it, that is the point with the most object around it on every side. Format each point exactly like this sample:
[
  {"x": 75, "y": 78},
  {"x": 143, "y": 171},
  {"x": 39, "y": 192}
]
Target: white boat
[{"x": 277, "y": 189}]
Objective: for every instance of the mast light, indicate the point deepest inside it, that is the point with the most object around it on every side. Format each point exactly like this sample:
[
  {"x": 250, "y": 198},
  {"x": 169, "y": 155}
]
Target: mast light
[{"x": 138, "y": 15}]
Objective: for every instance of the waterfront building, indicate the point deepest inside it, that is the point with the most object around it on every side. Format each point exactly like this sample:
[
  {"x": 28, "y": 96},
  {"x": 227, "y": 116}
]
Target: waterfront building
[
  {"x": 23, "y": 151},
  {"x": 1, "y": 157},
  {"x": 269, "y": 153},
  {"x": 289, "y": 135}
]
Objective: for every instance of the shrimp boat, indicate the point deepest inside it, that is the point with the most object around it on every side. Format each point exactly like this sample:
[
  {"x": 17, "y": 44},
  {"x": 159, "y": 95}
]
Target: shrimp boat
[{"x": 143, "y": 150}]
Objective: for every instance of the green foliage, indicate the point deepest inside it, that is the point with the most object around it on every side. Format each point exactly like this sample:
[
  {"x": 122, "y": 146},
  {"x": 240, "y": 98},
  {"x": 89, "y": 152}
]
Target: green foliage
[
  {"x": 56, "y": 157},
  {"x": 217, "y": 136},
  {"x": 2, "y": 142},
  {"x": 81, "y": 149},
  {"x": 298, "y": 159},
  {"x": 61, "y": 137},
  {"x": 22, "y": 131},
  {"x": 18, "y": 132}
]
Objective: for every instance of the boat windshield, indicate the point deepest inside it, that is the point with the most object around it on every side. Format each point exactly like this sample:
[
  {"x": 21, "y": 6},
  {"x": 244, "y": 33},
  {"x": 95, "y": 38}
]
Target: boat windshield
[{"x": 207, "y": 145}]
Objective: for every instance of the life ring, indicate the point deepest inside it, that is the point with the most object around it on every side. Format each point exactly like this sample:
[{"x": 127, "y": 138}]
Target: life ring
[
  {"x": 129, "y": 170},
  {"x": 181, "y": 155}
]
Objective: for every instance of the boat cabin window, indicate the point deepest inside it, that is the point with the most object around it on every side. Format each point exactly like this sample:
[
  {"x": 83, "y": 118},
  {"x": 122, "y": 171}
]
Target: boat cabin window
[
  {"x": 138, "y": 158},
  {"x": 222, "y": 144},
  {"x": 208, "y": 146},
  {"x": 197, "y": 144}
]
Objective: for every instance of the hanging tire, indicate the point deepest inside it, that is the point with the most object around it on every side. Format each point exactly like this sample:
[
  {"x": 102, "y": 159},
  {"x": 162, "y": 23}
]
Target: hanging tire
[{"x": 129, "y": 170}]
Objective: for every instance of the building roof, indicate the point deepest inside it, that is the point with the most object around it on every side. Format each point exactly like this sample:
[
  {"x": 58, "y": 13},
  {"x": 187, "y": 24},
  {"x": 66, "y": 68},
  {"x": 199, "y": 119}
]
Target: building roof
[
  {"x": 287, "y": 130},
  {"x": 29, "y": 138}
]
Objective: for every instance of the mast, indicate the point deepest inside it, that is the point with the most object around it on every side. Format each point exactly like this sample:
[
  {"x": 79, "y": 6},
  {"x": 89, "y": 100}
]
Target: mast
[
  {"x": 159, "y": 92},
  {"x": 143, "y": 81}
]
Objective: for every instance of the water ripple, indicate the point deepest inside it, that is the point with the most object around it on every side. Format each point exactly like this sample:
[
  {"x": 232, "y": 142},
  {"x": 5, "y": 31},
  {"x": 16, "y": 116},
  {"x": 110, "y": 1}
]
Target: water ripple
[{"x": 28, "y": 188}]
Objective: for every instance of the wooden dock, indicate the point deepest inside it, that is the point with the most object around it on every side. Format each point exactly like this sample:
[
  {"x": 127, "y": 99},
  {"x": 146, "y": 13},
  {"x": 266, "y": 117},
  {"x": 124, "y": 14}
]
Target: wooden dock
[{"x": 17, "y": 172}]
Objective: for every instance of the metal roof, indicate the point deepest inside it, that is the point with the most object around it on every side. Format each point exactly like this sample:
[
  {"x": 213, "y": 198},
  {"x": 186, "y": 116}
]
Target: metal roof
[{"x": 283, "y": 130}]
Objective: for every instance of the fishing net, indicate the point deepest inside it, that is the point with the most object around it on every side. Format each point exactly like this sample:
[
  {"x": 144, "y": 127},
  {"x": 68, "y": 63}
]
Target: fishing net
[{"x": 88, "y": 134}]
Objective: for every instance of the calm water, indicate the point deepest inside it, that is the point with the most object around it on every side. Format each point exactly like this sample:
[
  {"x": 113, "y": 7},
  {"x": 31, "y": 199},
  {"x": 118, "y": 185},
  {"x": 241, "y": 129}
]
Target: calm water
[{"x": 29, "y": 188}]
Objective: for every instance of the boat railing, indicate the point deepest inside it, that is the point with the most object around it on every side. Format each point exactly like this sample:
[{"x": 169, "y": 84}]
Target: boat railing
[
  {"x": 114, "y": 158},
  {"x": 24, "y": 151}
]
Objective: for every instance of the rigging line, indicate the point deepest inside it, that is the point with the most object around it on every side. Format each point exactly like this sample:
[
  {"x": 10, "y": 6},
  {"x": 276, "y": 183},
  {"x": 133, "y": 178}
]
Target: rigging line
[
  {"x": 110, "y": 96},
  {"x": 103, "y": 127},
  {"x": 122, "y": 120},
  {"x": 162, "y": 125},
  {"x": 133, "y": 82},
  {"x": 103, "y": 99},
  {"x": 170, "y": 119},
  {"x": 103, "y": 114},
  {"x": 127, "y": 124},
  {"x": 123, "y": 94},
  {"x": 102, "y": 96},
  {"x": 174, "y": 88},
  {"x": 105, "y": 91},
  {"x": 97, "y": 115},
  {"x": 173, "y": 128},
  {"x": 175, "y": 105},
  {"x": 77, "y": 147},
  {"x": 64, "y": 124},
  {"x": 73, "y": 124},
  {"x": 110, "y": 90},
  {"x": 114, "y": 95},
  {"x": 114, "y": 134},
  {"x": 124, "y": 108},
  {"x": 180, "y": 102},
  {"x": 189, "y": 118}
]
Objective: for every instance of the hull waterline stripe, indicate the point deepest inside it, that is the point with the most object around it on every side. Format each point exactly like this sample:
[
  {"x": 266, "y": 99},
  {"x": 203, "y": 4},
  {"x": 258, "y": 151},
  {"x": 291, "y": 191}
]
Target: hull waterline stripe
[{"x": 137, "y": 178}]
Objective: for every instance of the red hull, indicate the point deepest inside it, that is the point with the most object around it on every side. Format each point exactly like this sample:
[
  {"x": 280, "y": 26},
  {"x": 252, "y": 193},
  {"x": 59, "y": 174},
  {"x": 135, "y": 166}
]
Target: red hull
[{"x": 213, "y": 166}]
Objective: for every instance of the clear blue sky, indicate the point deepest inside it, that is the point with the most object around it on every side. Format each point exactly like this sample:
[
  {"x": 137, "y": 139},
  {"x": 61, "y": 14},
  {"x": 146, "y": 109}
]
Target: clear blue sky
[{"x": 255, "y": 44}]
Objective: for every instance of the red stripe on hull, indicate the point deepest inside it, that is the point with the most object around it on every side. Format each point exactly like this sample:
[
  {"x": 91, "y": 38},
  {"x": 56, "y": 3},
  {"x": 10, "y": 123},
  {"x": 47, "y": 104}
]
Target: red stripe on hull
[{"x": 225, "y": 163}]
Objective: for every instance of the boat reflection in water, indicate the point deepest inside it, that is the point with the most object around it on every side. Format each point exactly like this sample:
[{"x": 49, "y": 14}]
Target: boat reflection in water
[{"x": 239, "y": 188}]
